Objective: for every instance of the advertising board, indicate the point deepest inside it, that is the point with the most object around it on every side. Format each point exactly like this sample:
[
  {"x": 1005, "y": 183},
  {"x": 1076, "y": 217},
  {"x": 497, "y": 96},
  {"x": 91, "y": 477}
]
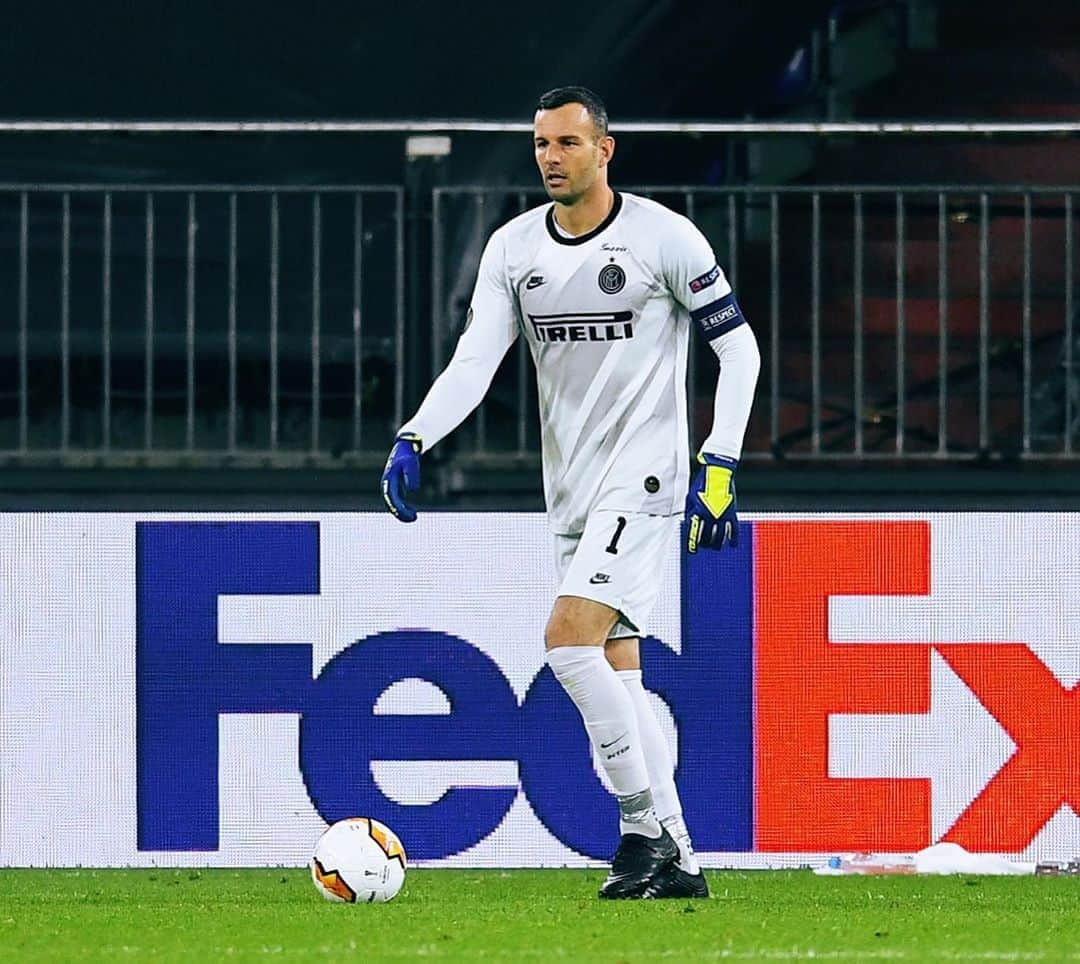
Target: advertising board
[{"x": 213, "y": 689}]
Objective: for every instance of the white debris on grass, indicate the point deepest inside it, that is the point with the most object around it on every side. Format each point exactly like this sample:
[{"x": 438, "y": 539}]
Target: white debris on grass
[{"x": 941, "y": 858}]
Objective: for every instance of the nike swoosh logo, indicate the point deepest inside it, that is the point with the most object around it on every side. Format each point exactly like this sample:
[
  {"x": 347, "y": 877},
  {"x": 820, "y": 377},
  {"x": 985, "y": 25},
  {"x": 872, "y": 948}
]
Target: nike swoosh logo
[
  {"x": 533, "y": 283},
  {"x": 618, "y": 877},
  {"x": 599, "y": 581},
  {"x": 604, "y": 746}
]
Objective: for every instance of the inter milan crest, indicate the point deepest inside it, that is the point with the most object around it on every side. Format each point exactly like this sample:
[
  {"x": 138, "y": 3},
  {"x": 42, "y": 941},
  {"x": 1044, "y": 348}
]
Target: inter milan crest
[{"x": 612, "y": 279}]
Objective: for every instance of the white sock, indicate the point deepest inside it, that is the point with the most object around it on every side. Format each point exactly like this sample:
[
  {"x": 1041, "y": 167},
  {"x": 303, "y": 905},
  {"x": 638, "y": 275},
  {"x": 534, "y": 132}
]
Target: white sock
[
  {"x": 610, "y": 718},
  {"x": 676, "y": 826},
  {"x": 661, "y": 769}
]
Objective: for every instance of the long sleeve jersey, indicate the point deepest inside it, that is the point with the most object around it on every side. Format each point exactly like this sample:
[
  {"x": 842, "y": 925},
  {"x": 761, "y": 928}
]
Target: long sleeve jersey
[{"x": 606, "y": 316}]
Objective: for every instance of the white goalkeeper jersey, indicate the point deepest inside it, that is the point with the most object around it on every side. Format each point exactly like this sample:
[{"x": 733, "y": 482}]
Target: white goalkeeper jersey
[{"x": 607, "y": 317}]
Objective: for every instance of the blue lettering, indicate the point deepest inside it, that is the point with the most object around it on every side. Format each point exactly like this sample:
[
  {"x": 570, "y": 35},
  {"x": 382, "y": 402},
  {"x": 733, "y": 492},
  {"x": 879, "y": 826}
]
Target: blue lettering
[
  {"x": 340, "y": 736},
  {"x": 185, "y": 679},
  {"x": 710, "y": 689}
]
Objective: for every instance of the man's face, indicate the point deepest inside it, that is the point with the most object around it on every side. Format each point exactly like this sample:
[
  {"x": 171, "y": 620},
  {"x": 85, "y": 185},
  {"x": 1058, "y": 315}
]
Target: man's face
[{"x": 569, "y": 151}]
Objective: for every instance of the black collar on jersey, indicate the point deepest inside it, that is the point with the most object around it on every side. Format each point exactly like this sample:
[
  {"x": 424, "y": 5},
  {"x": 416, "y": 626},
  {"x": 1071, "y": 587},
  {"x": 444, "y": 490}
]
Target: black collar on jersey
[{"x": 589, "y": 235}]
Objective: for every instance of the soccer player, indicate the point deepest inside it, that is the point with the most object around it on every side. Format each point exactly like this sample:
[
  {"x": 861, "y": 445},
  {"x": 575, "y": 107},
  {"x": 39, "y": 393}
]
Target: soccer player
[{"x": 604, "y": 287}]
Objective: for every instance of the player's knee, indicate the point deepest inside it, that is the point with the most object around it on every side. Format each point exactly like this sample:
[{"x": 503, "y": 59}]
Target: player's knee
[
  {"x": 563, "y": 629},
  {"x": 577, "y": 621},
  {"x": 560, "y": 631},
  {"x": 623, "y": 653}
]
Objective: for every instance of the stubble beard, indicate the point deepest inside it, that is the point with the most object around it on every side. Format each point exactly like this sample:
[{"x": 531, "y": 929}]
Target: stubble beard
[{"x": 568, "y": 198}]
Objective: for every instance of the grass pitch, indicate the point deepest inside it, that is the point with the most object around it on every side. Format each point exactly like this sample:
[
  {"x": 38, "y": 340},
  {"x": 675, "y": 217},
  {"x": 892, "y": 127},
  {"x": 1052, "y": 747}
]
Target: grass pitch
[{"x": 445, "y": 915}]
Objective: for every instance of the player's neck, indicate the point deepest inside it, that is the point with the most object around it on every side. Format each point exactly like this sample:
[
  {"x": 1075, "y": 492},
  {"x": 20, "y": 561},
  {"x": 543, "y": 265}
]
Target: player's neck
[{"x": 587, "y": 213}]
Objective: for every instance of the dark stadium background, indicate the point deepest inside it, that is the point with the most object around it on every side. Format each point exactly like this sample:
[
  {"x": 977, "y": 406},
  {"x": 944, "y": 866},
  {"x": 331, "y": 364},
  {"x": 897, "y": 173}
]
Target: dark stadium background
[
  {"x": 671, "y": 59},
  {"x": 650, "y": 59}
]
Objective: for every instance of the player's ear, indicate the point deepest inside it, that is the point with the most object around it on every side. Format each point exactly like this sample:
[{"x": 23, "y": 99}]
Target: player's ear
[{"x": 607, "y": 149}]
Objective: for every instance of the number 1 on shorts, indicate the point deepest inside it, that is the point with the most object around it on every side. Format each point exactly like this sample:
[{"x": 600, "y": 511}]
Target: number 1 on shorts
[{"x": 613, "y": 546}]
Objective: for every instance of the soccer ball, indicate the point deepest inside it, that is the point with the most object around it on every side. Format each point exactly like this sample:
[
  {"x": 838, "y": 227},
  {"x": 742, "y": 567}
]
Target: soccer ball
[{"x": 358, "y": 861}]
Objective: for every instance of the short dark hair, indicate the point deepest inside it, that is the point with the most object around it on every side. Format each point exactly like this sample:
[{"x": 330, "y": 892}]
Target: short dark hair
[{"x": 594, "y": 106}]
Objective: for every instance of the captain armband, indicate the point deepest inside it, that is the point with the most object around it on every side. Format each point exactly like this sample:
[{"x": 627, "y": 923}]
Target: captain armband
[{"x": 718, "y": 317}]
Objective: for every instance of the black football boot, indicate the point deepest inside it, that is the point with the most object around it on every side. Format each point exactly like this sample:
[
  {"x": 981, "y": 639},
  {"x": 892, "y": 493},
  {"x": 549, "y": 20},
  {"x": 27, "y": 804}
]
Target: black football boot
[
  {"x": 637, "y": 861},
  {"x": 673, "y": 881}
]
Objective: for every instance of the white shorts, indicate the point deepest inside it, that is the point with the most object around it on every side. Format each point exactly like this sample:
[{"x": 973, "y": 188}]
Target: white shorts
[{"x": 617, "y": 560}]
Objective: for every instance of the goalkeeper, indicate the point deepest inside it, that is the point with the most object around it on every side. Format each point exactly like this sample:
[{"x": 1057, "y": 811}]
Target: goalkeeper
[{"x": 604, "y": 286}]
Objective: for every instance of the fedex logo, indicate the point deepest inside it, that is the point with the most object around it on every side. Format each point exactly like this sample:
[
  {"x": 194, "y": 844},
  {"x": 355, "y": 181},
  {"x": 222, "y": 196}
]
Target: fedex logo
[
  {"x": 824, "y": 701},
  {"x": 826, "y": 710},
  {"x": 186, "y": 679}
]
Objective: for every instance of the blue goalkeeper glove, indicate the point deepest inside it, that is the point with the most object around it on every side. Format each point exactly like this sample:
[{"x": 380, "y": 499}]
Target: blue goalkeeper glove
[
  {"x": 401, "y": 475},
  {"x": 710, "y": 504}
]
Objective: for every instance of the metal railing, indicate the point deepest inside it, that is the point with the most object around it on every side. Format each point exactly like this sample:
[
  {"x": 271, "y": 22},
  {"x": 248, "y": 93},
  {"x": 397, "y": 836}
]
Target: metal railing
[
  {"x": 900, "y": 322},
  {"x": 197, "y": 324},
  {"x": 282, "y": 325},
  {"x": 226, "y": 325},
  {"x": 464, "y": 126}
]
